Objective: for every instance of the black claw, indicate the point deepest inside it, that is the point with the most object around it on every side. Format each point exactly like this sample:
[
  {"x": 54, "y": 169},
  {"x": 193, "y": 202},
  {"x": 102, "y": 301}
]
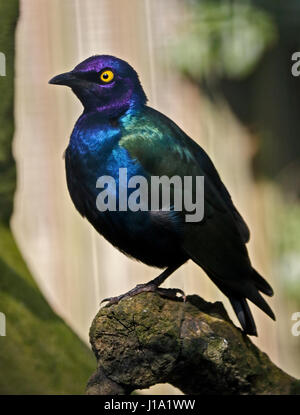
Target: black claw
[
  {"x": 107, "y": 299},
  {"x": 140, "y": 288},
  {"x": 113, "y": 300}
]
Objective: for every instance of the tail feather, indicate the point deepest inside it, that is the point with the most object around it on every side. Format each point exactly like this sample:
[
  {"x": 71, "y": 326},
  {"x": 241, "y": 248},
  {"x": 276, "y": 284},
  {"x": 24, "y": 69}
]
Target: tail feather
[
  {"x": 249, "y": 290},
  {"x": 238, "y": 290},
  {"x": 254, "y": 296},
  {"x": 244, "y": 315},
  {"x": 261, "y": 284}
]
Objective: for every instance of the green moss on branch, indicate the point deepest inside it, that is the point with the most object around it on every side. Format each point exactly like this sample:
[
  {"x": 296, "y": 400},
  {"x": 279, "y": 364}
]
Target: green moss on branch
[{"x": 147, "y": 339}]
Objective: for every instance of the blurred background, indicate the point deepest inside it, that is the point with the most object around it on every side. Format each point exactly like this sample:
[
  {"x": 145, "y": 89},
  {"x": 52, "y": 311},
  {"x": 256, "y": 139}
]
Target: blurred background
[{"x": 222, "y": 71}]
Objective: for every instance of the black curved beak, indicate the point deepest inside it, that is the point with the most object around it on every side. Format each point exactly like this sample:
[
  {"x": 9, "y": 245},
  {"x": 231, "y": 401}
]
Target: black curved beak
[{"x": 67, "y": 78}]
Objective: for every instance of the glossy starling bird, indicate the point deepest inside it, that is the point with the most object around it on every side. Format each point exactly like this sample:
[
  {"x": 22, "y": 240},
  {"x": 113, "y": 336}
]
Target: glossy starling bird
[{"x": 118, "y": 130}]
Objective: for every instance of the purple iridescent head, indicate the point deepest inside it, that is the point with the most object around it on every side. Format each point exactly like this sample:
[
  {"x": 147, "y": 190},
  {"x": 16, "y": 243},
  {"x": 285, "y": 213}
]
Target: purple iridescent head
[{"x": 105, "y": 84}]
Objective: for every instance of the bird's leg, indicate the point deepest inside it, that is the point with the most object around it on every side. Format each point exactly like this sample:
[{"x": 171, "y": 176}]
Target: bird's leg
[{"x": 151, "y": 286}]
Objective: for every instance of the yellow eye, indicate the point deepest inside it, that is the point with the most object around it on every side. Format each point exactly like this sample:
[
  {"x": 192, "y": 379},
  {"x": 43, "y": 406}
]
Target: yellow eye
[{"x": 107, "y": 76}]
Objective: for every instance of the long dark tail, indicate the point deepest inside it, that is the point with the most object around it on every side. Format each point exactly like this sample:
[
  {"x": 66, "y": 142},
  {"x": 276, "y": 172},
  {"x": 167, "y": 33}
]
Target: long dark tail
[
  {"x": 240, "y": 290},
  {"x": 244, "y": 315},
  {"x": 241, "y": 306},
  {"x": 261, "y": 284}
]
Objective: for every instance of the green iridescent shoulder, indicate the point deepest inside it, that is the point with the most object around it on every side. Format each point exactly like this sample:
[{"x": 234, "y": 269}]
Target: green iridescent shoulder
[{"x": 151, "y": 134}]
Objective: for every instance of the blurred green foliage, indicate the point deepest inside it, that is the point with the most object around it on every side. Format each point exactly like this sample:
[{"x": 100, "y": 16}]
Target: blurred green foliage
[
  {"x": 223, "y": 39},
  {"x": 287, "y": 245},
  {"x": 39, "y": 354},
  {"x": 241, "y": 50},
  {"x": 9, "y": 11}
]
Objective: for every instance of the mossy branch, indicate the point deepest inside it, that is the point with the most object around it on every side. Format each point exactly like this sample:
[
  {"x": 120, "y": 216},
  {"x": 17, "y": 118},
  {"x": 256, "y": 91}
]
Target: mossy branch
[{"x": 147, "y": 339}]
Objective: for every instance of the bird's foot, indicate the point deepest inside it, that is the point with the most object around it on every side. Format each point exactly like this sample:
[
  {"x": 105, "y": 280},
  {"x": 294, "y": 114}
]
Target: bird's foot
[{"x": 148, "y": 287}]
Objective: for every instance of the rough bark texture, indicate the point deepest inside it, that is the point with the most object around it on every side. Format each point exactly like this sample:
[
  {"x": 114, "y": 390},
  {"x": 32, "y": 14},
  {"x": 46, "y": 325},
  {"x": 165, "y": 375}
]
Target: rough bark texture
[{"x": 147, "y": 339}]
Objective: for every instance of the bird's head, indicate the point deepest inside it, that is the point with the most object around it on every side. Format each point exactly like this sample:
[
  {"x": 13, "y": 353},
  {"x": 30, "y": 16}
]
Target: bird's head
[{"x": 105, "y": 84}]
